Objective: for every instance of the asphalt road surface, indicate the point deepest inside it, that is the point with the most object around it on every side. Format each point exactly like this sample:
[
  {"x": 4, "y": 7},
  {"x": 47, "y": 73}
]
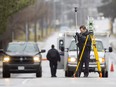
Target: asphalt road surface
[{"x": 29, "y": 80}]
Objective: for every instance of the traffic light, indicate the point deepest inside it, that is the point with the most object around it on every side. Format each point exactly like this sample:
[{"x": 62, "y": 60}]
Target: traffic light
[{"x": 75, "y": 9}]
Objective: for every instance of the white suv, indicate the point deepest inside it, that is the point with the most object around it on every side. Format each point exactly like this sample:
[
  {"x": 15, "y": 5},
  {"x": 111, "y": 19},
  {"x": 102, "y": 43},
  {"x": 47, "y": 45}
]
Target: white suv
[{"x": 72, "y": 59}]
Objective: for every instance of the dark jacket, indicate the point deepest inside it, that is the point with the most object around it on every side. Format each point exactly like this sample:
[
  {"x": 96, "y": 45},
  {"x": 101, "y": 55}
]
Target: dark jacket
[
  {"x": 53, "y": 55},
  {"x": 81, "y": 40}
]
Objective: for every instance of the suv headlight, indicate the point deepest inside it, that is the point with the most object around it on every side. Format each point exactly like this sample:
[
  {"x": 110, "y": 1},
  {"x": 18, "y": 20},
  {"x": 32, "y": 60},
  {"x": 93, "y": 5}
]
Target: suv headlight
[
  {"x": 102, "y": 60},
  {"x": 72, "y": 59},
  {"x": 6, "y": 59},
  {"x": 36, "y": 59}
]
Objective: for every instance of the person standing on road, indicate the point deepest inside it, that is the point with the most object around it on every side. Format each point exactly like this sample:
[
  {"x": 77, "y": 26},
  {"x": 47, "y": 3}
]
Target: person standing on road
[
  {"x": 86, "y": 55},
  {"x": 53, "y": 56}
]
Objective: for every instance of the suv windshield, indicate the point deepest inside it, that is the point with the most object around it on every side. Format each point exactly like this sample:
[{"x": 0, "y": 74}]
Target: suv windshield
[
  {"x": 22, "y": 47},
  {"x": 73, "y": 47}
]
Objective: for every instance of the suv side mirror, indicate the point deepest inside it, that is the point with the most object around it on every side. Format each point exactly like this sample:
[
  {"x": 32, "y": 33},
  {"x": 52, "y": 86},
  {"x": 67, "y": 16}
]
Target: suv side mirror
[
  {"x": 2, "y": 51},
  {"x": 105, "y": 49},
  {"x": 110, "y": 49},
  {"x": 67, "y": 49},
  {"x": 42, "y": 51}
]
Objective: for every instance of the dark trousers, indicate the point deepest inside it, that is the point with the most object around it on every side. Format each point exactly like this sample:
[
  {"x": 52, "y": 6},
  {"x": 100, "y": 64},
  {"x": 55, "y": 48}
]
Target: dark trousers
[
  {"x": 53, "y": 67},
  {"x": 85, "y": 60}
]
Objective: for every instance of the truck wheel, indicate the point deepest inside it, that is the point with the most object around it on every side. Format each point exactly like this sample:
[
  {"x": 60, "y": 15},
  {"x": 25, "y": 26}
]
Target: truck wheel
[
  {"x": 5, "y": 73},
  {"x": 77, "y": 74},
  {"x": 104, "y": 73},
  {"x": 68, "y": 73},
  {"x": 39, "y": 72}
]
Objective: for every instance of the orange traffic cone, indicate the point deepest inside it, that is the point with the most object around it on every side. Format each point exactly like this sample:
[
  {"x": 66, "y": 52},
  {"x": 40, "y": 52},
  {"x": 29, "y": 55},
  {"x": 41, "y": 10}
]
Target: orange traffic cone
[{"x": 112, "y": 67}]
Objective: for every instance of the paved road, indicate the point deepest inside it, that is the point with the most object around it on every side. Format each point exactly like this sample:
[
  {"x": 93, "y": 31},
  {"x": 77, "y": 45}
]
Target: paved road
[{"x": 29, "y": 80}]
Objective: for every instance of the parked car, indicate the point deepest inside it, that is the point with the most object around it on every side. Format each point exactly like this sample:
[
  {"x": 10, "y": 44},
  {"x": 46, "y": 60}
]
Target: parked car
[{"x": 22, "y": 57}]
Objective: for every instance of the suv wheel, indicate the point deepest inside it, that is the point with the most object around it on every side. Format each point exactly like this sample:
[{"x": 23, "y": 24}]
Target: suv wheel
[
  {"x": 39, "y": 72},
  {"x": 68, "y": 73},
  {"x": 5, "y": 73}
]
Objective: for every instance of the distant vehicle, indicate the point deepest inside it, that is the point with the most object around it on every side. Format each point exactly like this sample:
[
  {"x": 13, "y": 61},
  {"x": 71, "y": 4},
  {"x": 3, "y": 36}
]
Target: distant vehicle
[
  {"x": 22, "y": 57},
  {"x": 64, "y": 28},
  {"x": 102, "y": 26}
]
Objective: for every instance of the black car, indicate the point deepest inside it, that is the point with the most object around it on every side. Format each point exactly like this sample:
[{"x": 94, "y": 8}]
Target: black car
[{"x": 22, "y": 57}]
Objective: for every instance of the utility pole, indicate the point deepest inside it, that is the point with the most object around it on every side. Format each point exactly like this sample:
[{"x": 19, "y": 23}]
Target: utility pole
[
  {"x": 62, "y": 10},
  {"x": 12, "y": 35},
  {"x": 35, "y": 32},
  {"x": 27, "y": 32},
  {"x": 76, "y": 37},
  {"x": 54, "y": 13}
]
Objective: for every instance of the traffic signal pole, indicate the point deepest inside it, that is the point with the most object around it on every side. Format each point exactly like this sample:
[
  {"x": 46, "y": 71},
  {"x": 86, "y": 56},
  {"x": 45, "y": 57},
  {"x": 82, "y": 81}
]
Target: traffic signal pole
[
  {"x": 76, "y": 38},
  {"x": 76, "y": 17}
]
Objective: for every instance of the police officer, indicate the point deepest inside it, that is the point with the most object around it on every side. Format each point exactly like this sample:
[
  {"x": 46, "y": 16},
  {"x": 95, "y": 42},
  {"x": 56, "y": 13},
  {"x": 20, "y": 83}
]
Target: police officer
[
  {"x": 53, "y": 56},
  {"x": 86, "y": 55}
]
